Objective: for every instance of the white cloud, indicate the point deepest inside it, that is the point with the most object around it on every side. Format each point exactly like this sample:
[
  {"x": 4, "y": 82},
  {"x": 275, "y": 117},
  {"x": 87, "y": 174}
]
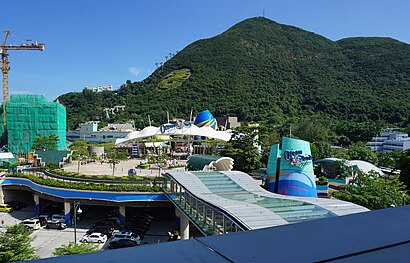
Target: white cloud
[{"x": 134, "y": 71}]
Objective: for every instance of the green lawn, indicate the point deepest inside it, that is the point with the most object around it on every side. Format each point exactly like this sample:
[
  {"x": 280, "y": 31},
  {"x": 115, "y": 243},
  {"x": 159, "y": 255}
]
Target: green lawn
[{"x": 175, "y": 79}]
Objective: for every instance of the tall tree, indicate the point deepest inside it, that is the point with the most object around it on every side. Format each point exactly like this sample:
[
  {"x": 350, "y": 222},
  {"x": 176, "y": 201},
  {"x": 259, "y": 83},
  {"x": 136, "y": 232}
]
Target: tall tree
[
  {"x": 243, "y": 149},
  {"x": 79, "y": 148},
  {"x": 115, "y": 157},
  {"x": 321, "y": 150},
  {"x": 373, "y": 192},
  {"x": 404, "y": 166},
  {"x": 75, "y": 248},
  {"x": 359, "y": 151},
  {"x": 15, "y": 244},
  {"x": 46, "y": 143}
]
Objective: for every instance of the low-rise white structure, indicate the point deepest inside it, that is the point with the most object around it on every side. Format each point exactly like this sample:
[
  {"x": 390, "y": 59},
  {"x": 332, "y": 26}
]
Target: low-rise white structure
[
  {"x": 99, "y": 88},
  {"x": 89, "y": 132},
  {"x": 391, "y": 139}
]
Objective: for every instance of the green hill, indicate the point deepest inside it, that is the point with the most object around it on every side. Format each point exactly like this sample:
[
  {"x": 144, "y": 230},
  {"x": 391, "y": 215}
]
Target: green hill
[{"x": 261, "y": 70}]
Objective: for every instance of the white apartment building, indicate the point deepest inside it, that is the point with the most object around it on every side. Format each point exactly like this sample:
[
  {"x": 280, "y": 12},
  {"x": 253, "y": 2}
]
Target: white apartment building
[
  {"x": 391, "y": 139},
  {"x": 99, "y": 88}
]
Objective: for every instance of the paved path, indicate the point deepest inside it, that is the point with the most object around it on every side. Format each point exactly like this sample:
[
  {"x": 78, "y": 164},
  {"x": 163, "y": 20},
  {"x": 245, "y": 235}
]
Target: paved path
[{"x": 121, "y": 169}]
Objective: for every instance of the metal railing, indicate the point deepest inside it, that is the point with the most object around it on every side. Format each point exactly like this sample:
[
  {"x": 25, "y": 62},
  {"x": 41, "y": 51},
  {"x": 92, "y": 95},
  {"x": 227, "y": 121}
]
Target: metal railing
[{"x": 209, "y": 219}]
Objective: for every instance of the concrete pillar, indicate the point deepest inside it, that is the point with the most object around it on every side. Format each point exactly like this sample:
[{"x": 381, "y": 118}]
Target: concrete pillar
[
  {"x": 1, "y": 195},
  {"x": 122, "y": 215},
  {"x": 36, "y": 205},
  {"x": 67, "y": 214},
  {"x": 184, "y": 227}
]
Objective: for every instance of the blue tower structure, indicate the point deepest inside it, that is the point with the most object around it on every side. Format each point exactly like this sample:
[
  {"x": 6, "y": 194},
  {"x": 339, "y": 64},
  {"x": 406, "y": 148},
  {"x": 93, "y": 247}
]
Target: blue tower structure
[
  {"x": 205, "y": 118},
  {"x": 290, "y": 170}
]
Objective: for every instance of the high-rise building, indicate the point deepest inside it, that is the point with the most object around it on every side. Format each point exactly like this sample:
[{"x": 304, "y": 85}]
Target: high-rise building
[{"x": 32, "y": 116}]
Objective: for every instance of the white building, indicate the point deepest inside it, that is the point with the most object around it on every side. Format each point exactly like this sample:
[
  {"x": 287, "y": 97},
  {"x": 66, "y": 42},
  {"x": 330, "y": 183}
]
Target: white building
[
  {"x": 99, "y": 88},
  {"x": 89, "y": 132},
  {"x": 391, "y": 139}
]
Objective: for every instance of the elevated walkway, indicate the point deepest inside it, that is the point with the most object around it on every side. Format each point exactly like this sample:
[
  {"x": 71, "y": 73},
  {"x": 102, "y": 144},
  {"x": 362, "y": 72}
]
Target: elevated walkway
[
  {"x": 71, "y": 194},
  {"x": 222, "y": 202}
]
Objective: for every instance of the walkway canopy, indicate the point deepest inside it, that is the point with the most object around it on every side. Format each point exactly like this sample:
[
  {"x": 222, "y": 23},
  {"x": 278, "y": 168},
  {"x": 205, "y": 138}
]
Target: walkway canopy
[{"x": 171, "y": 129}]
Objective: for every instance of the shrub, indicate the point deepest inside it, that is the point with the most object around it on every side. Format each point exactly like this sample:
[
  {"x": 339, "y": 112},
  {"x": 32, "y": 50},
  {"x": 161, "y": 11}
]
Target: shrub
[{"x": 88, "y": 186}]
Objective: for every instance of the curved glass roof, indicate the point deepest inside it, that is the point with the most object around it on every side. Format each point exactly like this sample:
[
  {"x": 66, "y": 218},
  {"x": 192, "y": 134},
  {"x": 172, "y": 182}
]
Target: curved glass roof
[
  {"x": 290, "y": 210},
  {"x": 242, "y": 199}
]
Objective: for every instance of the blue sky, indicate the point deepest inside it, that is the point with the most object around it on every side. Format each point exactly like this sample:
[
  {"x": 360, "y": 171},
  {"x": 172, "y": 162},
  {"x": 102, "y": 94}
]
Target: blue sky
[{"x": 100, "y": 42}]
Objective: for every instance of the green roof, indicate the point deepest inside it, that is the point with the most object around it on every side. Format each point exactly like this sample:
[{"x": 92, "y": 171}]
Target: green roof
[
  {"x": 197, "y": 162},
  {"x": 54, "y": 156}
]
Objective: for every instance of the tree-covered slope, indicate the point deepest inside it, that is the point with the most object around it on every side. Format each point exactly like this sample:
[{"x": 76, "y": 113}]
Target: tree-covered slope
[{"x": 261, "y": 70}]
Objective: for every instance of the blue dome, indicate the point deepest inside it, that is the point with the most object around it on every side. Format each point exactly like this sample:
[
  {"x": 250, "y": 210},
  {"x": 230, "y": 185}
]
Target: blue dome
[{"x": 205, "y": 118}]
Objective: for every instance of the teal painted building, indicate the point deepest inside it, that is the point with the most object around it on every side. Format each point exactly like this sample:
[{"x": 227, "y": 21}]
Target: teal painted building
[
  {"x": 32, "y": 116},
  {"x": 290, "y": 169}
]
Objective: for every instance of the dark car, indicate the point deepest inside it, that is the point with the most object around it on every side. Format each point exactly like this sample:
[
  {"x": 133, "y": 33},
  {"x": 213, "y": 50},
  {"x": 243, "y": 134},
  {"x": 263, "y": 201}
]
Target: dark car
[
  {"x": 56, "y": 224},
  {"x": 54, "y": 208},
  {"x": 109, "y": 223},
  {"x": 106, "y": 230},
  {"x": 17, "y": 205},
  {"x": 140, "y": 231},
  {"x": 124, "y": 242}
]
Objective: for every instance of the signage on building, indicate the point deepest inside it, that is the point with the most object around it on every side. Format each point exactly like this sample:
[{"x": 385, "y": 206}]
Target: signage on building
[{"x": 178, "y": 125}]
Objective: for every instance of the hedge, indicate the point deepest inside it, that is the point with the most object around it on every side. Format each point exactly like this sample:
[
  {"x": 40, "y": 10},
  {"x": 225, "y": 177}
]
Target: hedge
[
  {"x": 89, "y": 186},
  {"x": 100, "y": 177}
]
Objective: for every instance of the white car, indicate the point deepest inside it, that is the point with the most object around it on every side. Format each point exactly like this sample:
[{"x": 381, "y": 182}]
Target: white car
[
  {"x": 116, "y": 235},
  {"x": 33, "y": 223},
  {"x": 57, "y": 217},
  {"x": 95, "y": 238}
]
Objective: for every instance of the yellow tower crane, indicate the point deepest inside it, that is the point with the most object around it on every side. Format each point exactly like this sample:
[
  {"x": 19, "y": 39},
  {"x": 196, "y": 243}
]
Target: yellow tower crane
[{"x": 29, "y": 45}]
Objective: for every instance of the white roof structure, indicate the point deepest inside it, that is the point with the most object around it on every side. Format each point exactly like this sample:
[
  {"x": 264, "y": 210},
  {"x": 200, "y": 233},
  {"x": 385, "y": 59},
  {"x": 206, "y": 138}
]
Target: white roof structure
[
  {"x": 237, "y": 194},
  {"x": 171, "y": 129},
  {"x": 6, "y": 156},
  {"x": 363, "y": 166}
]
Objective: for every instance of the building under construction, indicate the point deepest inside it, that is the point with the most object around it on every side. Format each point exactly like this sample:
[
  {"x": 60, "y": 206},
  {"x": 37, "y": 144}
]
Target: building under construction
[{"x": 29, "y": 117}]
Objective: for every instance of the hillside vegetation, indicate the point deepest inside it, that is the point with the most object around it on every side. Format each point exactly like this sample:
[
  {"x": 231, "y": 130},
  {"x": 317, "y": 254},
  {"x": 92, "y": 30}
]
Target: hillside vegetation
[{"x": 259, "y": 70}]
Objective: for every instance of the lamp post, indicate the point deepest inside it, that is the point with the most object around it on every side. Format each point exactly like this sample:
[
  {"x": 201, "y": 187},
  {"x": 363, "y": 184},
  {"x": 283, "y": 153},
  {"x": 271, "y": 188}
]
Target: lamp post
[
  {"x": 78, "y": 210},
  {"x": 80, "y": 158}
]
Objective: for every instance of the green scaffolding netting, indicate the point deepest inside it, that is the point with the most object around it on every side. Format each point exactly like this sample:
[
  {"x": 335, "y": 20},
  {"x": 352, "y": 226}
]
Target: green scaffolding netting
[{"x": 32, "y": 116}]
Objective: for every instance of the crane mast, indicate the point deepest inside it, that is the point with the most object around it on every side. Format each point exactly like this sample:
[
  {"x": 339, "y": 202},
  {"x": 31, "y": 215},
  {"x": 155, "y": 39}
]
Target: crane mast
[{"x": 28, "y": 45}]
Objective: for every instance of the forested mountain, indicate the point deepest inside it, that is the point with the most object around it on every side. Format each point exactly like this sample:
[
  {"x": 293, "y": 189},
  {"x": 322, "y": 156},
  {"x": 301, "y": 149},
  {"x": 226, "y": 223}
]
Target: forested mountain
[{"x": 259, "y": 70}]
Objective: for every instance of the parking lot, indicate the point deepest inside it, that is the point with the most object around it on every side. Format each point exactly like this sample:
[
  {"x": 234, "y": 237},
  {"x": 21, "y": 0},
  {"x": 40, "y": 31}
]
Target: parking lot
[{"x": 45, "y": 241}]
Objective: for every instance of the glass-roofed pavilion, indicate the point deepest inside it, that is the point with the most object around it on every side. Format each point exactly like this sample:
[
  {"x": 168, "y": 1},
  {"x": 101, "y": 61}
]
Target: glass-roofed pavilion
[{"x": 231, "y": 201}]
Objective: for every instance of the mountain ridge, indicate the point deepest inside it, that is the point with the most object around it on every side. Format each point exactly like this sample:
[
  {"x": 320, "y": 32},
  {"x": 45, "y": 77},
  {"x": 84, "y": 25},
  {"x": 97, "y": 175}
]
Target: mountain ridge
[{"x": 260, "y": 70}]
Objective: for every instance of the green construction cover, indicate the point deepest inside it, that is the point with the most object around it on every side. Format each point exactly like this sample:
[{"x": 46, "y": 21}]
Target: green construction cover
[{"x": 32, "y": 116}]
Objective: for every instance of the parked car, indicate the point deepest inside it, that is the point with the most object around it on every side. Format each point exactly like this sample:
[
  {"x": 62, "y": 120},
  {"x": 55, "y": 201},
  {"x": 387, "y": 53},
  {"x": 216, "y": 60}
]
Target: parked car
[
  {"x": 54, "y": 208},
  {"x": 6, "y": 208},
  {"x": 107, "y": 223},
  {"x": 106, "y": 230},
  {"x": 17, "y": 205},
  {"x": 32, "y": 223},
  {"x": 43, "y": 219},
  {"x": 55, "y": 224},
  {"x": 123, "y": 242},
  {"x": 58, "y": 217},
  {"x": 125, "y": 234},
  {"x": 95, "y": 238},
  {"x": 115, "y": 220}
]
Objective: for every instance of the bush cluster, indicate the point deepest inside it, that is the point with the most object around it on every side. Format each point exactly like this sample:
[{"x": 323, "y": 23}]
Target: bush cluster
[
  {"x": 99, "y": 177},
  {"x": 90, "y": 186}
]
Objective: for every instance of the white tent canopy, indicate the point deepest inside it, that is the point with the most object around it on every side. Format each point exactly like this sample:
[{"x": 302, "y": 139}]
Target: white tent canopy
[{"x": 169, "y": 129}]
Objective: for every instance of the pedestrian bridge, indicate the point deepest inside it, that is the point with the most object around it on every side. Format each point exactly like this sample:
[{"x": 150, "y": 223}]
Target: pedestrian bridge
[{"x": 231, "y": 201}]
